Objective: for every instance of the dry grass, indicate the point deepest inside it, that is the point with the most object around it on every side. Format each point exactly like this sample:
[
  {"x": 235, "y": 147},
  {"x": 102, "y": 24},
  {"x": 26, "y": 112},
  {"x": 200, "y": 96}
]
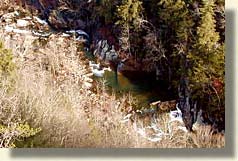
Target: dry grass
[
  {"x": 51, "y": 90},
  {"x": 50, "y": 93}
]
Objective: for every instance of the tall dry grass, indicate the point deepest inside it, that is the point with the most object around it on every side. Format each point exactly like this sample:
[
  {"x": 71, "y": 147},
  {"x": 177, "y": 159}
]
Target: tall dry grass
[
  {"x": 51, "y": 90},
  {"x": 49, "y": 93}
]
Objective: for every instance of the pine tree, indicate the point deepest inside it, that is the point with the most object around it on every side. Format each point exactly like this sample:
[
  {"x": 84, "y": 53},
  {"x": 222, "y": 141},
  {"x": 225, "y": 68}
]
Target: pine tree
[
  {"x": 207, "y": 59},
  {"x": 177, "y": 25},
  {"x": 208, "y": 54},
  {"x": 129, "y": 19},
  {"x": 106, "y": 9}
]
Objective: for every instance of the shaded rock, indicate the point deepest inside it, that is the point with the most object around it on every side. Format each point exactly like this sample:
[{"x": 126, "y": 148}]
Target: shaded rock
[
  {"x": 131, "y": 66},
  {"x": 194, "y": 111},
  {"x": 65, "y": 19},
  {"x": 59, "y": 14},
  {"x": 49, "y": 3}
]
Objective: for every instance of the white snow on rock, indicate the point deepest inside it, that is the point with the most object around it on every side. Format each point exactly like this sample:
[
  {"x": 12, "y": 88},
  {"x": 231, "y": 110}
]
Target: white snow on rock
[
  {"x": 158, "y": 133},
  {"x": 9, "y": 28},
  {"x": 18, "y": 31},
  {"x": 22, "y": 23},
  {"x": 176, "y": 115},
  {"x": 27, "y": 18},
  {"x": 79, "y": 32},
  {"x": 43, "y": 22},
  {"x": 65, "y": 35},
  {"x": 40, "y": 33}
]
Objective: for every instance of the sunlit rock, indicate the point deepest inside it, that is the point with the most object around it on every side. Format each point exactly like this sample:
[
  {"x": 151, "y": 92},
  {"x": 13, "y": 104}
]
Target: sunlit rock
[{"x": 41, "y": 34}]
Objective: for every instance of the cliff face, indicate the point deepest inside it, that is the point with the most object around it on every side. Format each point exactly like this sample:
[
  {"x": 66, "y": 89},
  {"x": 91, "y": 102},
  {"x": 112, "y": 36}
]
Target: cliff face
[{"x": 72, "y": 14}]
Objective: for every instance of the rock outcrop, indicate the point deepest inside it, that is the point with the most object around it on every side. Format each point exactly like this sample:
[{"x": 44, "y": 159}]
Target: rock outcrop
[
  {"x": 194, "y": 112},
  {"x": 60, "y": 14}
]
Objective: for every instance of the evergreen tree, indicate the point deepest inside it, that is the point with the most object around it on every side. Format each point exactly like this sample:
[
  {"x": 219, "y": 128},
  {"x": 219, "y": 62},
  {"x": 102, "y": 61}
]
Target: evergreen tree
[
  {"x": 177, "y": 25},
  {"x": 130, "y": 16},
  {"x": 106, "y": 9},
  {"x": 208, "y": 53},
  {"x": 207, "y": 59}
]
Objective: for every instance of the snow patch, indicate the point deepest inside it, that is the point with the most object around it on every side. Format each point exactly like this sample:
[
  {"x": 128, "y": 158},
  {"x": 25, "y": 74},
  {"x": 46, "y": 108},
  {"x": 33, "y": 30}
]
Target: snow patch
[
  {"x": 22, "y": 23},
  {"x": 43, "y": 22}
]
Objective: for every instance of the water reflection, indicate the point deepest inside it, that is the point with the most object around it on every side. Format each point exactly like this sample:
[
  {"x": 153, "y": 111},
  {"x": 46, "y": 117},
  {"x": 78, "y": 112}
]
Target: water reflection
[{"x": 145, "y": 90}]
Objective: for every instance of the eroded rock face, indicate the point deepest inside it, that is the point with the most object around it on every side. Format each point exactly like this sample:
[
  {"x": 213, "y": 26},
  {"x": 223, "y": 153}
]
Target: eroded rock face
[
  {"x": 72, "y": 14},
  {"x": 66, "y": 19},
  {"x": 107, "y": 53},
  {"x": 195, "y": 112}
]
